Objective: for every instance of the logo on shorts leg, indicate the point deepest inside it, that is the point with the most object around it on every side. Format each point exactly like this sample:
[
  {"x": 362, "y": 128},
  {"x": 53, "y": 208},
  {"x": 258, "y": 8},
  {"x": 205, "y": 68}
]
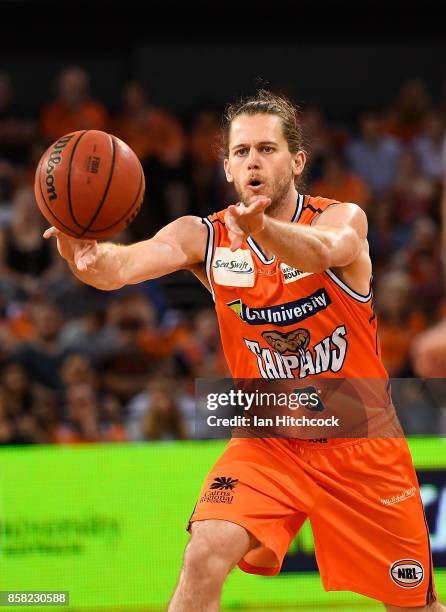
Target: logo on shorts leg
[
  {"x": 224, "y": 482},
  {"x": 219, "y": 491},
  {"x": 407, "y": 573}
]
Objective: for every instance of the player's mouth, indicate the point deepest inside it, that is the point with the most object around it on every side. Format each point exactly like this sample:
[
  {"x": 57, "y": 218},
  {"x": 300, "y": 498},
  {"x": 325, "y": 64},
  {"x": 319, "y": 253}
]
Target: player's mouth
[{"x": 255, "y": 185}]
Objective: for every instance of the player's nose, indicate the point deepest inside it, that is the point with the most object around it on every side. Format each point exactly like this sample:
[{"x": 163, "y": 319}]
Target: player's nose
[{"x": 253, "y": 159}]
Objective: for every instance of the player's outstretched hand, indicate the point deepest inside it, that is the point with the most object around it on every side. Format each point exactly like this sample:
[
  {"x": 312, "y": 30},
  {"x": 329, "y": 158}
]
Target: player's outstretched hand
[
  {"x": 243, "y": 221},
  {"x": 81, "y": 253}
]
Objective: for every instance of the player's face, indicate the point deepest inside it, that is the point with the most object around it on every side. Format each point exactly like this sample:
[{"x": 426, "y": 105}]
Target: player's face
[{"x": 259, "y": 162}]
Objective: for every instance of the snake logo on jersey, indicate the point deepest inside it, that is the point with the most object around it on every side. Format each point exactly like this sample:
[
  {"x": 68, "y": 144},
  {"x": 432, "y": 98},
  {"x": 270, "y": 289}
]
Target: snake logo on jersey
[{"x": 291, "y": 356}]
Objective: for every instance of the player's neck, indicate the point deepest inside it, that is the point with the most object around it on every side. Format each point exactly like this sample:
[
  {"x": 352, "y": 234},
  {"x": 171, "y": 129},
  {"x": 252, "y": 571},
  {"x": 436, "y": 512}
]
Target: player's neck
[{"x": 284, "y": 209}]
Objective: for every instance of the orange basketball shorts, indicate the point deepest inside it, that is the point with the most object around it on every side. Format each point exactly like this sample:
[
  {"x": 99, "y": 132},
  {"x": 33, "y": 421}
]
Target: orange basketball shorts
[{"x": 361, "y": 496}]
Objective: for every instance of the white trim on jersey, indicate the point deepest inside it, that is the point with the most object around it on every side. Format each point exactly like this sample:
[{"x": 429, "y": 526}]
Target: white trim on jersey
[
  {"x": 357, "y": 296},
  {"x": 255, "y": 247},
  {"x": 298, "y": 211},
  {"x": 209, "y": 253}
]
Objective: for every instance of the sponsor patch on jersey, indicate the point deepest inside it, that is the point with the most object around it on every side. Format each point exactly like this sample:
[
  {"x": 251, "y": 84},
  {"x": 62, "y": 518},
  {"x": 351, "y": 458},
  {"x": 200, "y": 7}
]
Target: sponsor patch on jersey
[
  {"x": 233, "y": 269},
  {"x": 290, "y": 275},
  {"x": 282, "y": 314},
  {"x": 407, "y": 573}
]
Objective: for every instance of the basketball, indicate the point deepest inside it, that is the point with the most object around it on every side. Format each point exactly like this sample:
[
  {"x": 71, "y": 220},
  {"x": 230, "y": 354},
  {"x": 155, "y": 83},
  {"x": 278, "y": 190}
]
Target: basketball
[{"x": 89, "y": 184}]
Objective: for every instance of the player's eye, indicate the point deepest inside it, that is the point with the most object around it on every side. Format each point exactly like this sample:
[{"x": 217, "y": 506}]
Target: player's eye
[
  {"x": 240, "y": 152},
  {"x": 267, "y": 149}
]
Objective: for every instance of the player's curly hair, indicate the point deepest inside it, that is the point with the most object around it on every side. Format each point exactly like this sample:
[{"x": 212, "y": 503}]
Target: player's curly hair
[{"x": 268, "y": 103}]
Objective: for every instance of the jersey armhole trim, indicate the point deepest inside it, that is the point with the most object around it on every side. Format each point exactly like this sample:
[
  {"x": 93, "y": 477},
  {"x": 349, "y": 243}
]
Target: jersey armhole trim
[
  {"x": 359, "y": 297},
  {"x": 299, "y": 207},
  {"x": 209, "y": 252}
]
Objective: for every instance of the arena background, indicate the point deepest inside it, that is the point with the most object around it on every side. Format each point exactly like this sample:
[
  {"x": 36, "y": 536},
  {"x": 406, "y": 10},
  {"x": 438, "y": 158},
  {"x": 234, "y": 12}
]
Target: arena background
[{"x": 98, "y": 478}]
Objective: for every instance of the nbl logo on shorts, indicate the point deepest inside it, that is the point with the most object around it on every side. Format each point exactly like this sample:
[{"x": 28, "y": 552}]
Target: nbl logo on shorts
[{"x": 407, "y": 573}]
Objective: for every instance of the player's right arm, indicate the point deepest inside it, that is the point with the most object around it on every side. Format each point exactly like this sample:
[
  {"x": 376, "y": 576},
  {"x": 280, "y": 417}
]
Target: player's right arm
[{"x": 179, "y": 245}]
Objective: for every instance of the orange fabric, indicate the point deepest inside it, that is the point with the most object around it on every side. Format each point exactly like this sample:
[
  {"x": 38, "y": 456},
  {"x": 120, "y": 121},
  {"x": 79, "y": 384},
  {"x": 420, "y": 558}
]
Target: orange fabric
[
  {"x": 153, "y": 132},
  {"x": 362, "y": 498},
  {"x": 403, "y": 131},
  {"x": 343, "y": 328},
  {"x": 58, "y": 120},
  {"x": 157, "y": 344},
  {"x": 351, "y": 189}
]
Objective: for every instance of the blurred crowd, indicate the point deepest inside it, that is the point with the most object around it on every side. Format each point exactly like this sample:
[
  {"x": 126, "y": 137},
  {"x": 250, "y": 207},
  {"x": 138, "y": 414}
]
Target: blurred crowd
[{"x": 81, "y": 365}]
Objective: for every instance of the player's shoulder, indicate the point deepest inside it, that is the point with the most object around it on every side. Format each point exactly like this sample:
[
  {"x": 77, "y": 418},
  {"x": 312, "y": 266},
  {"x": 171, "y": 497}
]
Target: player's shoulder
[
  {"x": 317, "y": 204},
  {"x": 314, "y": 206},
  {"x": 217, "y": 217}
]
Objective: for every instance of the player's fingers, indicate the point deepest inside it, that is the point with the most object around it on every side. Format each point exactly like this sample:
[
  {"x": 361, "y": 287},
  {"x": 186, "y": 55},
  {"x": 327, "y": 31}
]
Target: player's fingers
[
  {"x": 80, "y": 264},
  {"x": 235, "y": 210},
  {"x": 259, "y": 205},
  {"x": 236, "y": 243},
  {"x": 51, "y": 231},
  {"x": 232, "y": 224},
  {"x": 236, "y": 239}
]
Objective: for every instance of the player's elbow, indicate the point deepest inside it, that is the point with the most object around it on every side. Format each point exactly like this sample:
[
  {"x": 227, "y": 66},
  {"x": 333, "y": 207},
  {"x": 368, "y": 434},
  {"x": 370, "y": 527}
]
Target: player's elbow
[{"x": 342, "y": 250}]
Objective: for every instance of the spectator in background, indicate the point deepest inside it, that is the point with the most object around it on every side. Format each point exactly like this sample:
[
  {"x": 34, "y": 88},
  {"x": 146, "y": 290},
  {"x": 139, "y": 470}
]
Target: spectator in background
[
  {"x": 374, "y": 155},
  {"x": 148, "y": 130},
  {"x": 111, "y": 420},
  {"x": 7, "y": 430},
  {"x": 158, "y": 138},
  {"x": 412, "y": 194},
  {"x": 73, "y": 109},
  {"x": 405, "y": 116},
  {"x": 91, "y": 334},
  {"x": 81, "y": 423},
  {"x": 399, "y": 320},
  {"x": 125, "y": 369},
  {"x": 77, "y": 369},
  {"x": 28, "y": 264},
  {"x": 385, "y": 236},
  {"x": 339, "y": 183},
  {"x": 156, "y": 414},
  {"x": 16, "y": 131},
  {"x": 18, "y": 422},
  {"x": 429, "y": 348},
  {"x": 421, "y": 258},
  {"x": 204, "y": 162},
  {"x": 42, "y": 356},
  {"x": 319, "y": 142},
  {"x": 203, "y": 351},
  {"x": 45, "y": 415},
  {"x": 16, "y": 388},
  {"x": 429, "y": 146}
]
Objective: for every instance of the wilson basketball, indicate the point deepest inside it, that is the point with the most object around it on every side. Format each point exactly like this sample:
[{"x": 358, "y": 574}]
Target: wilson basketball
[{"x": 89, "y": 184}]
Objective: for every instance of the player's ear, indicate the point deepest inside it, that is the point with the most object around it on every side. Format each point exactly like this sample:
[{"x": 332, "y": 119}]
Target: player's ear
[
  {"x": 228, "y": 171},
  {"x": 299, "y": 160}
]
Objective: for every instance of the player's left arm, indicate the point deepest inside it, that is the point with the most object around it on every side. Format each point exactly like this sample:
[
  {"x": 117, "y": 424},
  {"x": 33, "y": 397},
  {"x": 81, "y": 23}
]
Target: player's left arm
[{"x": 336, "y": 239}]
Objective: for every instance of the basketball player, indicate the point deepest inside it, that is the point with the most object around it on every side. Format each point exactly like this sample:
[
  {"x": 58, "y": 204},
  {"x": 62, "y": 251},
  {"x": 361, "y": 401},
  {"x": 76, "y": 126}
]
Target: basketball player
[{"x": 276, "y": 247}]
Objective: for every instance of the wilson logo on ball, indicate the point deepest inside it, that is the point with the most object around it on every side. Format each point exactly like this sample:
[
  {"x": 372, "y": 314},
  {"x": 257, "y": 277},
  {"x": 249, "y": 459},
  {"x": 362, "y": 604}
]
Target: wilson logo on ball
[
  {"x": 407, "y": 573},
  {"x": 54, "y": 158}
]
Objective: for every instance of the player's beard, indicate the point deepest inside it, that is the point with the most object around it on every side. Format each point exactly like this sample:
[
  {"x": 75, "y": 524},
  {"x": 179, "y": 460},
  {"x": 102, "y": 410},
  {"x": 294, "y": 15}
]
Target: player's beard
[{"x": 278, "y": 194}]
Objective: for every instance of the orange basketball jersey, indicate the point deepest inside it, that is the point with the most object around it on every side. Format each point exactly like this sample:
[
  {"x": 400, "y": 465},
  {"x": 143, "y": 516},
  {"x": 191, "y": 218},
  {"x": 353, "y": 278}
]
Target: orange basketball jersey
[{"x": 278, "y": 322}]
